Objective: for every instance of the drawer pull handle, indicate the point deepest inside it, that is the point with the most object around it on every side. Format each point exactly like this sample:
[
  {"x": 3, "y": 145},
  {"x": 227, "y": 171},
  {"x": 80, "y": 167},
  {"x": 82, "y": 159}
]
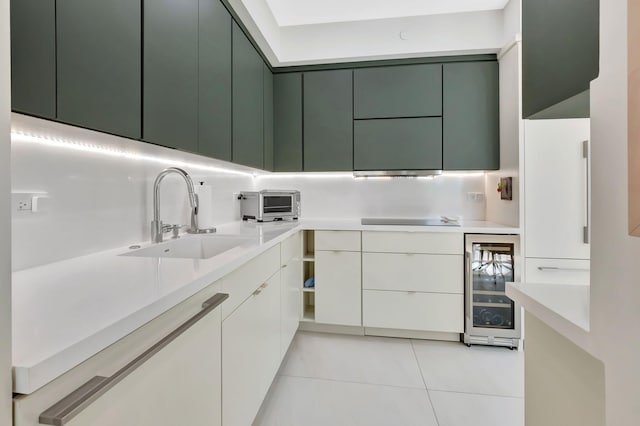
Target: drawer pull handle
[
  {"x": 557, "y": 268},
  {"x": 70, "y": 406}
]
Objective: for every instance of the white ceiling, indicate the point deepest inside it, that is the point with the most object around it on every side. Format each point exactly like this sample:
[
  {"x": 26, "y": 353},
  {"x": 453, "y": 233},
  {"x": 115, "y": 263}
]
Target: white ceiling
[{"x": 306, "y": 12}]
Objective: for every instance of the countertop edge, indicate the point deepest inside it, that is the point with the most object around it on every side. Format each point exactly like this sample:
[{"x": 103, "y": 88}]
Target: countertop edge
[{"x": 560, "y": 322}]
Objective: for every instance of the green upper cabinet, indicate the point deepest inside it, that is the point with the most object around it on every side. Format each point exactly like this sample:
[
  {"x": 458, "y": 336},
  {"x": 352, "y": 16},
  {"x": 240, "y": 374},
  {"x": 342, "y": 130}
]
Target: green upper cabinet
[
  {"x": 33, "y": 57},
  {"x": 214, "y": 80},
  {"x": 328, "y": 120},
  {"x": 268, "y": 119},
  {"x": 170, "y": 76},
  {"x": 398, "y": 144},
  {"x": 398, "y": 91},
  {"x": 560, "y": 57},
  {"x": 248, "y": 102},
  {"x": 471, "y": 129},
  {"x": 287, "y": 112},
  {"x": 99, "y": 65}
]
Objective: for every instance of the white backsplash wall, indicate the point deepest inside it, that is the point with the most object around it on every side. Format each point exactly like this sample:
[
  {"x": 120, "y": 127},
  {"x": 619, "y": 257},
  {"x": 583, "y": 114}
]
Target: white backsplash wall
[
  {"x": 342, "y": 196},
  {"x": 99, "y": 201}
]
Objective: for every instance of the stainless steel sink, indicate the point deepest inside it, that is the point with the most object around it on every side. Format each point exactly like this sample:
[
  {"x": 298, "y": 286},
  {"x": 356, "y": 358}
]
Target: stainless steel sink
[
  {"x": 408, "y": 222},
  {"x": 192, "y": 247}
]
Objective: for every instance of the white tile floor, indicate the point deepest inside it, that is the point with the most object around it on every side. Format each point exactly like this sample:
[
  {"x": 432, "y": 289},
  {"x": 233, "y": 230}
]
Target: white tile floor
[{"x": 336, "y": 380}]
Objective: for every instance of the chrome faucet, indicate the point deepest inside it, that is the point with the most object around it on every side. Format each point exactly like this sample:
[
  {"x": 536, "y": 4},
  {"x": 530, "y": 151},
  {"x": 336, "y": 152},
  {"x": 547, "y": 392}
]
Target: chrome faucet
[{"x": 157, "y": 227}]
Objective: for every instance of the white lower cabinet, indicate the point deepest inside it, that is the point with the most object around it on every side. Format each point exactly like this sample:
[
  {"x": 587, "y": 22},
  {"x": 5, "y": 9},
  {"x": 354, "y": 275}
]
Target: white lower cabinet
[
  {"x": 338, "y": 288},
  {"x": 176, "y": 382},
  {"x": 251, "y": 351},
  {"x": 413, "y": 281},
  {"x": 409, "y": 310}
]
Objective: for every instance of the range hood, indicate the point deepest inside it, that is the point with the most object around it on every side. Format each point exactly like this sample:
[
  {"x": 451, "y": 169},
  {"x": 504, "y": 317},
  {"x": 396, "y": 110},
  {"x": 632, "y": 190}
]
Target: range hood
[{"x": 396, "y": 173}]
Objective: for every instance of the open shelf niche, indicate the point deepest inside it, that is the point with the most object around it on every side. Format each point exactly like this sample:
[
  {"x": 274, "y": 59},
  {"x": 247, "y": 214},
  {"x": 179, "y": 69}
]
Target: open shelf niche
[{"x": 308, "y": 271}]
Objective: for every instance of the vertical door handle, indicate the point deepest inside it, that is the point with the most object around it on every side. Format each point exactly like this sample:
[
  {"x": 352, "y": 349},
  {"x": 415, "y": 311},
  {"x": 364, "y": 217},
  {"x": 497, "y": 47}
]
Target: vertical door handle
[{"x": 586, "y": 228}]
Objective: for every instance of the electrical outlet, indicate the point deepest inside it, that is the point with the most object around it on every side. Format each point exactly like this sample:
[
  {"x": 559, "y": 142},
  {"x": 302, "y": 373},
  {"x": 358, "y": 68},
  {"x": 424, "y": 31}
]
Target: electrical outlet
[
  {"x": 25, "y": 205},
  {"x": 476, "y": 197}
]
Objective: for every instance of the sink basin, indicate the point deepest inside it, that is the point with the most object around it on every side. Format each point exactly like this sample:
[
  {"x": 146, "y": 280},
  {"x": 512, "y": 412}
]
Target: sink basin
[{"x": 192, "y": 247}]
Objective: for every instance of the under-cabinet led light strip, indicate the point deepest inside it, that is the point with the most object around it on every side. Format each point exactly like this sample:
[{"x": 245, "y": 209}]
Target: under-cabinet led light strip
[
  {"x": 344, "y": 175},
  {"x": 20, "y": 137}
]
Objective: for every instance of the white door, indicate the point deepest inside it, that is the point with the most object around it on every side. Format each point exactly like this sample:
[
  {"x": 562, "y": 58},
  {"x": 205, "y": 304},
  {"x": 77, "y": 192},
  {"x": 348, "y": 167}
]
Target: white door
[
  {"x": 180, "y": 385},
  {"x": 556, "y": 189},
  {"x": 338, "y": 288}
]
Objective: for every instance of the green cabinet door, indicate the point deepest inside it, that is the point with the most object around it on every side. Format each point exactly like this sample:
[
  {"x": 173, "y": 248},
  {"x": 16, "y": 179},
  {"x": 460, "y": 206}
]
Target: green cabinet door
[
  {"x": 99, "y": 65},
  {"x": 471, "y": 129},
  {"x": 287, "y": 117},
  {"x": 33, "y": 57},
  {"x": 560, "y": 56},
  {"x": 398, "y": 144},
  {"x": 268, "y": 119},
  {"x": 214, "y": 80},
  {"x": 398, "y": 91},
  {"x": 248, "y": 76},
  {"x": 328, "y": 120},
  {"x": 170, "y": 73}
]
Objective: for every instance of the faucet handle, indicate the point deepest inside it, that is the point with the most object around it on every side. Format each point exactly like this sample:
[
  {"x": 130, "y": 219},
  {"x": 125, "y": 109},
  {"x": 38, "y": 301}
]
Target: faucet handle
[{"x": 176, "y": 230}]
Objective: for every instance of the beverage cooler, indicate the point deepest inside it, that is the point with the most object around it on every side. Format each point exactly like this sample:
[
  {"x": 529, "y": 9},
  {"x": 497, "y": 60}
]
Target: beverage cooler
[{"x": 491, "y": 318}]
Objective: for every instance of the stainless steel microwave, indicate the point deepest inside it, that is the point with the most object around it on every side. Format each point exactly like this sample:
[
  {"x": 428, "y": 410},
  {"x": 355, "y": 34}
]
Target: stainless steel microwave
[{"x": 270, "y": 205}]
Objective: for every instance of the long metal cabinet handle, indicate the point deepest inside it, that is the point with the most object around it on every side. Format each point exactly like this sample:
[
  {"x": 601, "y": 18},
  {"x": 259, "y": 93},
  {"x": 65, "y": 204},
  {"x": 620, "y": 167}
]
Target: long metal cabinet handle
[
  {"x": 70, "y": 406},
  {"x": 585, "y": 155},
  {"x": 467, "y": 285},
  {"x": 557, "y": 268}
]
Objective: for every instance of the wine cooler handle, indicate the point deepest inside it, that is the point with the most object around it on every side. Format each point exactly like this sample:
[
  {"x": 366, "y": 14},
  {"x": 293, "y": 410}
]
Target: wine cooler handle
[{"x": 467, "y": 285}]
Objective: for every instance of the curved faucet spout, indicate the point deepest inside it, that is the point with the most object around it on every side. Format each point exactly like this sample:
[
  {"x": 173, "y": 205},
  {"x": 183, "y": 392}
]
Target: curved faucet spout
[{"x": 156, "y": 225}]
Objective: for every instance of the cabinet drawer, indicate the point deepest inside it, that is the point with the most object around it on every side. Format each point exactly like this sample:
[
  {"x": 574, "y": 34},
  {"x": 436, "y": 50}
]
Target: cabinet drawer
[
  {"x": 557, "y": 271},
  {"x": 290, "y": 248},
  {"x": 413, "y": 272},
  {"x": 398, "y": 144},
  {"x": 242, "y": 282},
  {"x": 413, "y": 242},
  {"x": 400, "y": 91},
  {"x": 413, "y": 311},
  {"x": 338, "y": 240}
]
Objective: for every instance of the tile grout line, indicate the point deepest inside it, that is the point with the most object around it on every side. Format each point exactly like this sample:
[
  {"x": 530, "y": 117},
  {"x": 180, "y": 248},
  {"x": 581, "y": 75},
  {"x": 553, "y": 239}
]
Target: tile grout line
[
  {"x": 433, "y": 408},
  {"x": 478, "y": 394},
  {"x": 349, "y": 381}
]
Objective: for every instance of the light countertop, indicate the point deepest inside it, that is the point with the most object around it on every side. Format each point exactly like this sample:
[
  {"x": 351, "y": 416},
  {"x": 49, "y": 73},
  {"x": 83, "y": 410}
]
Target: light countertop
[
  {"x": 67, "y": 311},
  {"x": 565, "y": 308}
]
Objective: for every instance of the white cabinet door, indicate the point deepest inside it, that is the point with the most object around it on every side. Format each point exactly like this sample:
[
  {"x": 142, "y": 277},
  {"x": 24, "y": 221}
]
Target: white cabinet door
[
  {"x": 250, "y": 353},
  {"x": 290, "y": 302},
  {"x": 338, "y": 295},
  {"x": 556, "y": 189},
  {"x": 179, "y": 385},
  {"x": 241, "y": 335},
  {"x": 269, "y": 352}
]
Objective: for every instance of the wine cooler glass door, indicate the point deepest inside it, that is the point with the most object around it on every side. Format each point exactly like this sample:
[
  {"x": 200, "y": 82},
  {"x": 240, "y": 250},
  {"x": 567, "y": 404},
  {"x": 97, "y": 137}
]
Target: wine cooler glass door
[{"x": 492, "y": 265}]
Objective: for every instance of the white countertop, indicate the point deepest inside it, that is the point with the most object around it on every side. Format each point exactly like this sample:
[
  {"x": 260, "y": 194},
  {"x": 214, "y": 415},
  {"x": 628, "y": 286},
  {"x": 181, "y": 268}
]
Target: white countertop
[
  {"x": 565, "y": 308},
  {"x": 65, "y": 312}
]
